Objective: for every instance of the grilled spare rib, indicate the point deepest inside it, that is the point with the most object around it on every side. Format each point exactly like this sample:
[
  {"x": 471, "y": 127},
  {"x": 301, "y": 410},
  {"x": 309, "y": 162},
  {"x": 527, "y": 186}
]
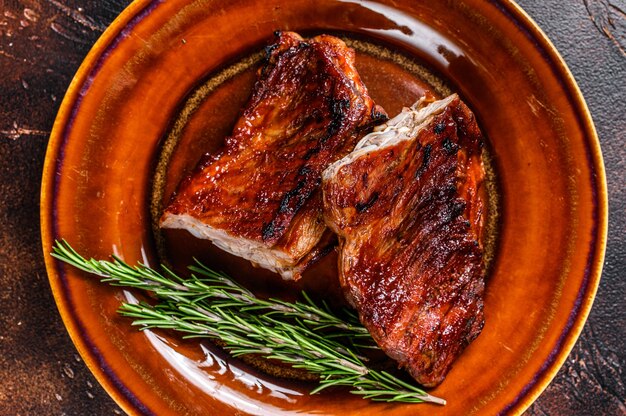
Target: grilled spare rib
[
  {"x": 259, "y": 197},
  {"x": 408, "y": 210}
]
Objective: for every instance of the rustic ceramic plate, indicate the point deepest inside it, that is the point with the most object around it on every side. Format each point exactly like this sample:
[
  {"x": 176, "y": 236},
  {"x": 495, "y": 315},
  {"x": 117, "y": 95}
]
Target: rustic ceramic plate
[{"x": 165, "y": 83}]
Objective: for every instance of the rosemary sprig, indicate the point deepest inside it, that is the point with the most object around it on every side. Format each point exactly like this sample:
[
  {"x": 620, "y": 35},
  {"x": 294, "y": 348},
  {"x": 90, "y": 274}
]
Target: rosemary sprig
[
  {"x": 211, "y": 305},
  {"x": 205, "y": 284}
]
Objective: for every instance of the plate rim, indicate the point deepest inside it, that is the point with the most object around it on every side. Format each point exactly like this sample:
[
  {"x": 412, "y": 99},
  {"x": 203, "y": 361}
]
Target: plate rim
[
  {"x": 132, "y": 14},
  {"x": 122, "y": 396}
]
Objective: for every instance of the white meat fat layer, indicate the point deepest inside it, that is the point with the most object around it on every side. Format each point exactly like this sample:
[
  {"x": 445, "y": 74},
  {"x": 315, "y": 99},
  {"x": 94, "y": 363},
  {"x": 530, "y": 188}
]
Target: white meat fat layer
[
  {"x": 259, "y": 254},
  {"x": 404, "y": 126}
]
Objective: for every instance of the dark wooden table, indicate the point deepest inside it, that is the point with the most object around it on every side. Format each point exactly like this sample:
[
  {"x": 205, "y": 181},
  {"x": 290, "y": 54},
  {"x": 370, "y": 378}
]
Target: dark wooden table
[{"x": 42, "y": 43}]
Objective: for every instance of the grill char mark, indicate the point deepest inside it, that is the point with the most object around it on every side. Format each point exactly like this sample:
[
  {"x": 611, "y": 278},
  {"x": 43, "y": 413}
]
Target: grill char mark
[
  {"x": 308, "y": 108},
  {"x": 411, "y": 263}
]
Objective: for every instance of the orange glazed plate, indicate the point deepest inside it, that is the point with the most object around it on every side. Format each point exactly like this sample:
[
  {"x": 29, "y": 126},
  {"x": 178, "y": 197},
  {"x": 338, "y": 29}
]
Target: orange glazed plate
[{"x": 165, "y": 83}]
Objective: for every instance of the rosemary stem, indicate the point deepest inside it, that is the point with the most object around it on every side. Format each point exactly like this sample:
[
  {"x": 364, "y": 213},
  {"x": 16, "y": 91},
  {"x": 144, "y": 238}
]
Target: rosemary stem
[{"x": 211, "y": 305}]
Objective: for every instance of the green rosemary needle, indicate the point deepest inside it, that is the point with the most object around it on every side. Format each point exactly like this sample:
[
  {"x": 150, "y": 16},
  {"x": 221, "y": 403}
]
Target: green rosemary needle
[
  {"x": 207, "y": 284},
  {"x": 211, "y": 305}
]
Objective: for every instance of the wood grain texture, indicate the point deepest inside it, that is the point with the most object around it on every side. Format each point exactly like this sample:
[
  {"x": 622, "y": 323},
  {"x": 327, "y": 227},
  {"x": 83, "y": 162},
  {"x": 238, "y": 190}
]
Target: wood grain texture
[{"x": 42, "y": 43}]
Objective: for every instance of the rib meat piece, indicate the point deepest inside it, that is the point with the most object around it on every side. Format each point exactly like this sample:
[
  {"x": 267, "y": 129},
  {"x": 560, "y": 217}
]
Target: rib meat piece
[
  {"x": 408, "y": 210},
  {"x": 259, "y": 197}
]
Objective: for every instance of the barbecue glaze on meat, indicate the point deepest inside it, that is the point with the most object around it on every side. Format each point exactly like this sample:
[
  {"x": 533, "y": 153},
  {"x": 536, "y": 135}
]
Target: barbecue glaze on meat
[
  {"x": 408, "y": 208},
  {"x": 259, "y": 197}
]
